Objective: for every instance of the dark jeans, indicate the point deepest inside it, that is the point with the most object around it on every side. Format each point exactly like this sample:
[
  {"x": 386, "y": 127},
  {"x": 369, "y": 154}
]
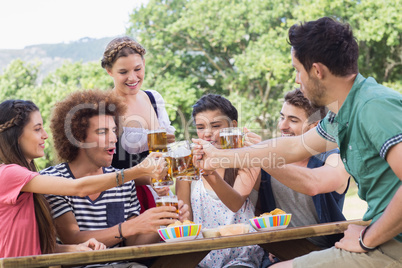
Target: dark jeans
[{"x": 266, "y": 262}]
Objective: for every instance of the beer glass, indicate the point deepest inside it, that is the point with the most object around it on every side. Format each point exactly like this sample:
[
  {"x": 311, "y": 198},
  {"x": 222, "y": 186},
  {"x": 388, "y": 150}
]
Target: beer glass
[
  {"x": 157, "y": 140},
  {"x": 168, "y": 179},
  {"x": 231, "y": 138},
  {"x": 168, "y": 200},
  {"x": 182, "y": 161}
]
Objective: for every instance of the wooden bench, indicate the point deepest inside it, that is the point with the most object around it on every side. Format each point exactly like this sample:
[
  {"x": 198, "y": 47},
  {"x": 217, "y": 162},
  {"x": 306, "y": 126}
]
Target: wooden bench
[{"x": 285, "y": 244}]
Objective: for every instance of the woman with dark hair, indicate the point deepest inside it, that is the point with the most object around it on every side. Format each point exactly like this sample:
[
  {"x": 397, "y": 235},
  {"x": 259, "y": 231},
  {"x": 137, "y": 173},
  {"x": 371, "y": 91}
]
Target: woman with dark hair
[
  {"x": 124, "y": 61},
  {"x": 222, "y": 196},
  {"x": 26, "y": 226}
]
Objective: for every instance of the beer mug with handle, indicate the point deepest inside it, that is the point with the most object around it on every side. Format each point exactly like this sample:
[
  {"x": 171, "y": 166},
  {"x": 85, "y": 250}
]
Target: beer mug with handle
[
  {"x": 157, "y": 140},
  {"x": 231, "y": 138},
  {"x": 168, "y": 200},
  {"x": 182, "y": 165}
]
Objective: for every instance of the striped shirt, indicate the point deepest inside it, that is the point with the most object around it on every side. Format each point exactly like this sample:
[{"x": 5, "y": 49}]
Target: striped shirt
[{"x": 113, "y": 206}]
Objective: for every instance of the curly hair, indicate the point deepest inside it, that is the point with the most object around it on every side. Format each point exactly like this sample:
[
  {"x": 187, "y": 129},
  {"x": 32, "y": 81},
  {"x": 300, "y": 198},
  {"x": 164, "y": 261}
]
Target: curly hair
[
  {"x": 296, "y": 98},
  {"x": 70, "y": 118},
  {"x": 327, "y": 41},
  {"x": 120, "y": 47}
]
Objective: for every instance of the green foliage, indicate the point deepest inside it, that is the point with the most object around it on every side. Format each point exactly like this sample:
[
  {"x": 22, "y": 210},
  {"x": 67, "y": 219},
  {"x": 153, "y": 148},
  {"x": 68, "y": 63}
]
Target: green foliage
[
  {"x": 16, "y": 76},
  {"x": 79, "y": 75},
  {"x": 237, "y": 48},
  {"x": 213, "y": 46},
  {"x": 378, "y": 27},
  {"x": 18, "y": 82},
  {"x": 179, "y": 109}
]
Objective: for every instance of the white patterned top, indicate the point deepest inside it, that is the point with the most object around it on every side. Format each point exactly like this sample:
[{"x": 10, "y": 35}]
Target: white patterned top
[
  {"x": 134, "y": 140},
  {"x": 211, "y": 213}
]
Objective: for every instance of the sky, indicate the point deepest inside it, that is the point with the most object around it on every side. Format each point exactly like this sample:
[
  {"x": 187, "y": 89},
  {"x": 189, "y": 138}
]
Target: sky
[{"x": 32, "y": 22}]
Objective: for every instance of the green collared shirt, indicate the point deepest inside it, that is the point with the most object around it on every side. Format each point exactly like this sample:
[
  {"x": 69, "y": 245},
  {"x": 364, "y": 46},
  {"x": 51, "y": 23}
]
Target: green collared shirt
[{"x": 367, "y": 125}]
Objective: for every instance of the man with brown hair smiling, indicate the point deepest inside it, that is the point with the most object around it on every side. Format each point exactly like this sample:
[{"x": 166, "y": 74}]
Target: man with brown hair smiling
[{"x": 313, "y": 189}]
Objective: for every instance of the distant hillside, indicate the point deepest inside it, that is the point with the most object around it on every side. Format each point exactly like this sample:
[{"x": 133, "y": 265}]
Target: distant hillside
[{"x": 52, "y": 56}]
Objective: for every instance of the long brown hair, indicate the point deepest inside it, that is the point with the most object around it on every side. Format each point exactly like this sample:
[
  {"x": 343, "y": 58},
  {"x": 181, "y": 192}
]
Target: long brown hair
[{"x": 14, "y": 116}]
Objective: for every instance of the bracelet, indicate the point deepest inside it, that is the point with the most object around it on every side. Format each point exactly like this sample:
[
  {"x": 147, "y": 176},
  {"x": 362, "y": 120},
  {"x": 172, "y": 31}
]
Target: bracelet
[
  {"x": 121, "y": 237},
  {"x": 117, "y": 178},
  {"x": 122, "y": 176},
  {"x": 361, "y": 237}
]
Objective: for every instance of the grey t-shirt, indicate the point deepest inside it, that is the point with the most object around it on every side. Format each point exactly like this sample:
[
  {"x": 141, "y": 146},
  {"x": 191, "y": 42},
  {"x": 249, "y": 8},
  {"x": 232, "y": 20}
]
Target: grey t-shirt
[{"x": 300, "y": 205}]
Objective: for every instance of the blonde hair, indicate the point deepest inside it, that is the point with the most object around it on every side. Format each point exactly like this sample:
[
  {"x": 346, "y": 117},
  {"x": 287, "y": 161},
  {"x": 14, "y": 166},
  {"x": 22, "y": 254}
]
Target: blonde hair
[{"x": 120, "y": 47}]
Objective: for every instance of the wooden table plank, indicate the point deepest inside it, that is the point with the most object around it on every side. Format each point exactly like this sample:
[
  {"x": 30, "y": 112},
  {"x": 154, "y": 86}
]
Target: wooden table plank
[{"x": 177, "y": 248}]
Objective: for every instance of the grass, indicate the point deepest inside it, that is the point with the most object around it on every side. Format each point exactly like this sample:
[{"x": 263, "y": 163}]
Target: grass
[{"x": 354, "y": 207}]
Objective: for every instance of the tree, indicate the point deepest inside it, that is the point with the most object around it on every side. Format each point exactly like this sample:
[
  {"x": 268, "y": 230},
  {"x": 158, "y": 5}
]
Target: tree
[
  {"x": 56, "y": 86},
  {"x": 19, "y": 82},
  {"x": 89, "y": 75},
  {"x": 16, "y": 76},
  {"x": 238, "y": 48}
]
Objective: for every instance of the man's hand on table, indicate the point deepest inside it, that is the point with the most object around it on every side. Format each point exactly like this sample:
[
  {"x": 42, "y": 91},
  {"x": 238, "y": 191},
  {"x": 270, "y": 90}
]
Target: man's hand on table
[{"x": 350, "y": 241}]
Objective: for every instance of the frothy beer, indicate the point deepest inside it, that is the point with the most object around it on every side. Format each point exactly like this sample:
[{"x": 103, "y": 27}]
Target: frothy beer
[
  {"x": 167, "y": 201},
  {"x": 157, "y": 140},
  {"x": 182, "y": 166},
  {"x": 168, "y": 179},
  {"x": 231, "y": 138}
]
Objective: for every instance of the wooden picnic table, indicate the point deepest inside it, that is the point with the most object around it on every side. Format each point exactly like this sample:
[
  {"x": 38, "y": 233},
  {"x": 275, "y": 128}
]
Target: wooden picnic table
[{"x": 285, "y": 244}]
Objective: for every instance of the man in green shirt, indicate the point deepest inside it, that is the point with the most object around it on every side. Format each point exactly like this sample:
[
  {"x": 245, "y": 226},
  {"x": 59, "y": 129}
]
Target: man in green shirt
[{"x": 365, "y": 122}]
